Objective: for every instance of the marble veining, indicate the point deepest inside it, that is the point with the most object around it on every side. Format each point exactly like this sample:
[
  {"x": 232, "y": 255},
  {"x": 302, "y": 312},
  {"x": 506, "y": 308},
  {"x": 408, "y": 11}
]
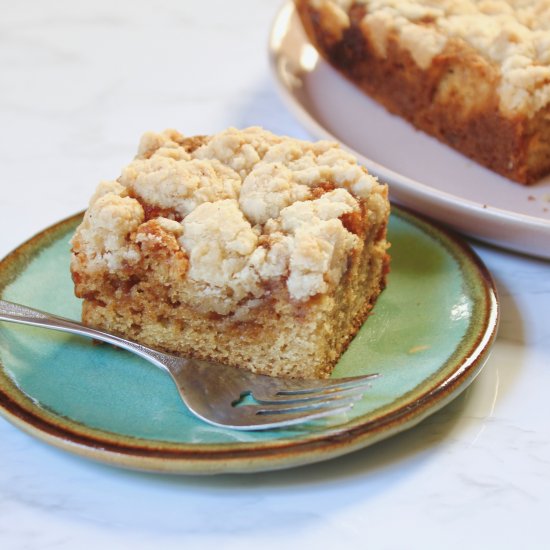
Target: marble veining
[{"x": 80, "y": 82}]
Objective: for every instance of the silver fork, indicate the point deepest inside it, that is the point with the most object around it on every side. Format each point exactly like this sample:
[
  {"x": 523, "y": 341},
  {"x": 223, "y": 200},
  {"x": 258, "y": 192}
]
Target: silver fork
[{"x": 213, "y": 391}]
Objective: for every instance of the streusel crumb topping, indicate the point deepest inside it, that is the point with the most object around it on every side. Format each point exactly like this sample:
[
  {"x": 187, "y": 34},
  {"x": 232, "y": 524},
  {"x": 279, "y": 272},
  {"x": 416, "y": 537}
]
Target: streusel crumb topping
[
  {"x": 245, "y": 207},
  {"x": 514, "y": 35}
]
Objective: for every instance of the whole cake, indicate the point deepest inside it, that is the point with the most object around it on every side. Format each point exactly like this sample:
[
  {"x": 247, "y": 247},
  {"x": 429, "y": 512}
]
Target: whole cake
[
  {"x": 245, "y": 248},
  {"x": 473, "y": 73}
]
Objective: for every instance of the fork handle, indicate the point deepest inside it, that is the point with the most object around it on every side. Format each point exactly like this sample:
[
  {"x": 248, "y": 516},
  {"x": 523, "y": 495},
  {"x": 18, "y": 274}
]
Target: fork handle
[{"x": 24, "y": 315}]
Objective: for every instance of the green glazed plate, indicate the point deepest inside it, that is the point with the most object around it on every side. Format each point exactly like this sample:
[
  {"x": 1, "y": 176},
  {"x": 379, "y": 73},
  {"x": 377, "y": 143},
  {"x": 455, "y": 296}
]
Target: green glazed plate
[{"x": 429, "y": 336}]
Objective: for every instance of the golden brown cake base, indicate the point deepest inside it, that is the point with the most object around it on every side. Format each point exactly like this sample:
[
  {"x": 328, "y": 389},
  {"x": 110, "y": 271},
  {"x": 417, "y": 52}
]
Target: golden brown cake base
[{"x": 455, "y": 99}]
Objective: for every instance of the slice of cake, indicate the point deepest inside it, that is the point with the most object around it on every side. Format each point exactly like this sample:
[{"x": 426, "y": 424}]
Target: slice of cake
[
  {"x": 474, "y": 74},
  {"x": 244, "y": 248}
]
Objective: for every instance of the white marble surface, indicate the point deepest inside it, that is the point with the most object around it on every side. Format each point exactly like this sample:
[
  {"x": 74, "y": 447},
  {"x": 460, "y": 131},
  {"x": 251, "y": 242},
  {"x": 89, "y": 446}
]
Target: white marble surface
[{"x": 79, "y": 82}]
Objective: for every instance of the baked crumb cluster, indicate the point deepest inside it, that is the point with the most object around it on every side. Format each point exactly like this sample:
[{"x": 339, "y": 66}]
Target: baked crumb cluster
[
  {"x": 245, "y": 207},
  {"x": 514, "y": 35}
]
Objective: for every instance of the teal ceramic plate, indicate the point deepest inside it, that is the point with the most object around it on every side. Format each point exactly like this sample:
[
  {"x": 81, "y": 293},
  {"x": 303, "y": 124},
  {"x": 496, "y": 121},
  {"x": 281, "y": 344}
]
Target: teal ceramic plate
[{"x": 429, "y": 336}]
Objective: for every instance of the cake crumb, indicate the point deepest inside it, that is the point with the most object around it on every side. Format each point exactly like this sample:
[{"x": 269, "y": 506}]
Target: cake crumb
[{"x": 418, "y": 349}]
